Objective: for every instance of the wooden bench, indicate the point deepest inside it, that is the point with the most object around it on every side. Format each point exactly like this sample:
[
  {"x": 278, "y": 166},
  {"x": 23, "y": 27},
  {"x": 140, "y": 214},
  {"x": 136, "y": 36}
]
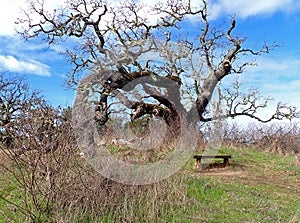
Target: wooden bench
[{"x": 225, "y": 163}]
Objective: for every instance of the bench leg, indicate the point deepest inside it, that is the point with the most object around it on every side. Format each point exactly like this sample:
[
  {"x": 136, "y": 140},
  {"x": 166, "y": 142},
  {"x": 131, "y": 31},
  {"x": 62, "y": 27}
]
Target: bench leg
[
  {"x": 198, "y": 164},
  {"x": 226, "y": 162}
]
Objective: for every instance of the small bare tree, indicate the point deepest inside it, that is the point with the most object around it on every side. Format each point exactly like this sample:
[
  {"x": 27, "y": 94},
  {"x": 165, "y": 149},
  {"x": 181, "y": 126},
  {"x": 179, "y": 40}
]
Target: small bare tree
[
  {"x": 38, "y": 146},
  {"x": 119, "y": 43},
  {"x": 45, "y": 179}
]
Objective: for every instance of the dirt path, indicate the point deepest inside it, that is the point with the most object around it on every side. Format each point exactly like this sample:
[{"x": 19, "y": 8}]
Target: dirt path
[{"x": 253, "y": 175}]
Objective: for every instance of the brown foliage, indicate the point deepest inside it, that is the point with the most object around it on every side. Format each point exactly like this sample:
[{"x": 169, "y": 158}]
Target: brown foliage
[{"x": 279, "y": 138}]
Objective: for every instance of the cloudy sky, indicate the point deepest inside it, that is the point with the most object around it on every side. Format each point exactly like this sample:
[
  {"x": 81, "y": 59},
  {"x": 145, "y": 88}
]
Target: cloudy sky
[{"x": 277, "y": 75}]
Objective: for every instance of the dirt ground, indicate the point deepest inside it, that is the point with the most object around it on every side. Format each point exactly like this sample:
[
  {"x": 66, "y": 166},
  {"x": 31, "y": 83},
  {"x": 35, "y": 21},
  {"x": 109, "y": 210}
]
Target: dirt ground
[{"x": 288, "y": 180}]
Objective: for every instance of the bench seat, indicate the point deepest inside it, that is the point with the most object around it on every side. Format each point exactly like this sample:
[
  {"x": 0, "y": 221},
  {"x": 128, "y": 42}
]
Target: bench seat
[{"x": 225, "y": 158}]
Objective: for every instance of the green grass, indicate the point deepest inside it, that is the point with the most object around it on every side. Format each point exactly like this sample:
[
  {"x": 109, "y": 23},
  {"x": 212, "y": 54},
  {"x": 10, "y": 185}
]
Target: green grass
[
  {"x": 257, "y": 187},
  {"x": 10, "y": 200},
  {"x": 263, "y": 187},
  {"x": 240, "y": 202}
]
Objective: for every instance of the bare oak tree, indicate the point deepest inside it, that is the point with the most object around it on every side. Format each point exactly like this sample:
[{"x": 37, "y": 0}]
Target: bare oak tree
[{"x": 124, "y": 41}]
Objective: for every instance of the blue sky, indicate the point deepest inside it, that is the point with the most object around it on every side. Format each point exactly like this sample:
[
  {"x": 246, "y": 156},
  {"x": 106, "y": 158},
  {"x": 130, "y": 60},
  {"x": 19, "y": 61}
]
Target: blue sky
[{"x": 277, "y": 75}]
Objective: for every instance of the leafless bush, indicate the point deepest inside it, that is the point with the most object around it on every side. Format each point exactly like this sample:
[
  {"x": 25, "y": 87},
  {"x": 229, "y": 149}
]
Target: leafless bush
[
  {"x": 41, "y": 150},
  {"x": 282, "y": 139},
  {"x": 279, "y": 138},
  {"x": 53, "y": 182}
]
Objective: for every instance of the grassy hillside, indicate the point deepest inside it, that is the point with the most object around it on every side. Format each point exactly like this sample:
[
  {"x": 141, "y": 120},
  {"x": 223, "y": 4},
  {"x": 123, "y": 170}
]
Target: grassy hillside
[{"x": 257, "y": 187}]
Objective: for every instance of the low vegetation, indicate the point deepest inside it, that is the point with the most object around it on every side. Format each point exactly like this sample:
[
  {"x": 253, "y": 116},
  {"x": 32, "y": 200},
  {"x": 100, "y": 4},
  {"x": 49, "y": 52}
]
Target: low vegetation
[{"x": 258, "y": 187}]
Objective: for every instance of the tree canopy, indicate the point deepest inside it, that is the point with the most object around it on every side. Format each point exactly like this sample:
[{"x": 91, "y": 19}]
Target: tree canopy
[{"x": 120, "y": 43}]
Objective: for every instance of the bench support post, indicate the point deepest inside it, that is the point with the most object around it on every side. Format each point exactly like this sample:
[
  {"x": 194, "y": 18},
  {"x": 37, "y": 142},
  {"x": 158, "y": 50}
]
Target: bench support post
[
  {"x": 226, "y": 162},
  {"x": 198, "y": 164}
]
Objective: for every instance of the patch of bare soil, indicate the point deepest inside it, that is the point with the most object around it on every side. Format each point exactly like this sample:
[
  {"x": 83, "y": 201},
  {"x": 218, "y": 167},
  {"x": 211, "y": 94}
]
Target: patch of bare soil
[
  {"x": 253, "y": 176},
  {"x": 222, "y": 172}
]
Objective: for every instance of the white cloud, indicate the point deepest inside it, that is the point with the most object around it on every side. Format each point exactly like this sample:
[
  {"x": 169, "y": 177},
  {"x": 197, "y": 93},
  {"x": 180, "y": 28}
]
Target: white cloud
[
  {"x": 12, "y": 64},
  {"x": 246, "y": 8},
  {"x": 275, "y": 77},
  {"x": 10, "y": 10},
  {"x": 274, "y": 68},
  {"x": 8, "y": 14}
]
